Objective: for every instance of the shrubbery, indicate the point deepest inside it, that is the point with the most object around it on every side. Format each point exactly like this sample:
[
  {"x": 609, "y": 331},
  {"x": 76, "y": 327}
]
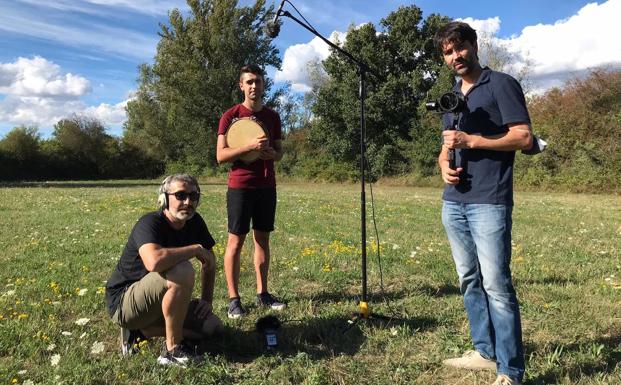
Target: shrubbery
[
  {"x": 581, "y": 123},
  {"x": 78, "y": 149}
]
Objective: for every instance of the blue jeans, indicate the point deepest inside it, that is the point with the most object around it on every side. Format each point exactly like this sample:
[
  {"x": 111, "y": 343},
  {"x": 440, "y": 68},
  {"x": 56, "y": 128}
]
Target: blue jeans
[{"x": 480, "y": 238}]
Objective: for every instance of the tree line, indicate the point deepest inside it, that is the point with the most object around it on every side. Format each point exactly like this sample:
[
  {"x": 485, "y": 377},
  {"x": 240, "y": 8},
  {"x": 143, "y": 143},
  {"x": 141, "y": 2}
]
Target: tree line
[
  {"x": 171, "y": 123},
  {"x": 78, "y": 149}
]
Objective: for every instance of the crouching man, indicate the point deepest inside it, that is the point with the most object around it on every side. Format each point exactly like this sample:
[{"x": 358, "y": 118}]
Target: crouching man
[{"x": 150, "y": 292}]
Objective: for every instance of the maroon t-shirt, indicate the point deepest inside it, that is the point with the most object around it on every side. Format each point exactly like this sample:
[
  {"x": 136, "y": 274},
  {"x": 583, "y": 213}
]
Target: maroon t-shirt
[{"x": 260, "y": 173}]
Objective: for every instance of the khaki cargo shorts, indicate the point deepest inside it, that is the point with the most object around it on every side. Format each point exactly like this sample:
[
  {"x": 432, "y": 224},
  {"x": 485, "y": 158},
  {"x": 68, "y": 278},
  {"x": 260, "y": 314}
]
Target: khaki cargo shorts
[{"x": 141, "y": 305}]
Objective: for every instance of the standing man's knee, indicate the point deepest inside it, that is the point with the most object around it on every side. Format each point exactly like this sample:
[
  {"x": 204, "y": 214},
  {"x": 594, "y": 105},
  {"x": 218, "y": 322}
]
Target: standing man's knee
[
  {"x": 235, "y": 242},
  {"x": 262, "y": 238}
]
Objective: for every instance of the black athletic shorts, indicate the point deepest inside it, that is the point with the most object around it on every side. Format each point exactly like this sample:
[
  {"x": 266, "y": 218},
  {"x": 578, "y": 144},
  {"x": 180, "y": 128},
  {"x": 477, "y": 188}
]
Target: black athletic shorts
[{"x": 242, "y": 205}]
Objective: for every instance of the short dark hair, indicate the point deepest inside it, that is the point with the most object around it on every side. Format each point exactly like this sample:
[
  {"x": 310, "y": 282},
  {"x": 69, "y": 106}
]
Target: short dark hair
[
  {"x": 454, "y": 32},
  {"x": 252, "y": 69}
]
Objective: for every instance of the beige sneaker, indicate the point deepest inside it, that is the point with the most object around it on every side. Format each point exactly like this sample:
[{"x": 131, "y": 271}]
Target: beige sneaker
[
  {"x": 503, "y": 379},
  {"x": 471, "y": 359}
]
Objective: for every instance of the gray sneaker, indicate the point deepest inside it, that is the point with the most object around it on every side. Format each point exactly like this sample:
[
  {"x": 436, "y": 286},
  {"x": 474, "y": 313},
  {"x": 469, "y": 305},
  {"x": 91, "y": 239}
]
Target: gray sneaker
[
  {"x": 236, "y": 310},
  {"x": 472, "y": 360},
  {"x": 268, "y": 300}
]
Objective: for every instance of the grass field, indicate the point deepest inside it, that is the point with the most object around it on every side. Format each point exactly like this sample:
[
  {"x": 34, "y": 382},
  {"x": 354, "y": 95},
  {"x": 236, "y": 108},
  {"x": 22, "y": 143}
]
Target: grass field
[{"x": 60, "y": 242}]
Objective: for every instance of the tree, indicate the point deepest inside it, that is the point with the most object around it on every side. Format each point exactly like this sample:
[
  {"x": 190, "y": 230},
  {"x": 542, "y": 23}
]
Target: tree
[
  {"x": 496, "y": 55},
  {"x": 20, "y": 153},
  {"x": 408, "y": 67},
  {"x": 194, "y": 79},
  {"x": 21, "y": 143},
  {"x": 82, "y": 145}
]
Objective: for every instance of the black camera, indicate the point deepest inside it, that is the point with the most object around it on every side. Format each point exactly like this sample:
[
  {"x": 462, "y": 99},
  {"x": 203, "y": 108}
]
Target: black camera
[
  {"x": 448, "y": 102},
  {"x": 268, "y": 326}
]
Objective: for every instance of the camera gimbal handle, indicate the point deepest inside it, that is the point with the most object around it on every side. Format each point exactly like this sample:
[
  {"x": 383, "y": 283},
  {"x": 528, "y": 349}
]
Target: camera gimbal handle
[{"x": 451, "y": 152}]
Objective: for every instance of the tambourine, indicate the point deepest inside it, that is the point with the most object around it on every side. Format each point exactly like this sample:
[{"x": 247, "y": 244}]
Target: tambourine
[{"x": 243, "y": 131}]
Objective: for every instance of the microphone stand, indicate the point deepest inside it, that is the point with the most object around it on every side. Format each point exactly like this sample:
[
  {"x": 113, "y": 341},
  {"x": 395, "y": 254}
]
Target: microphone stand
[{"x": 363, "y": 69}]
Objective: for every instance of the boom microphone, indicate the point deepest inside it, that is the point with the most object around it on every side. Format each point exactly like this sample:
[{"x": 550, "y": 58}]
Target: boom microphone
[{"x": 272, "y": 28}]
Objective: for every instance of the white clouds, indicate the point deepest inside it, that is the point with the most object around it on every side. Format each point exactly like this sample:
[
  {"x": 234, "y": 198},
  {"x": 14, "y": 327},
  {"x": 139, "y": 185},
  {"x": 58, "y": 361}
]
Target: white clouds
[
  {"x": 296, "y": 59},
  {"x": 587, "y": 39},
  {"x": 37, "y": 111},
  {"x": 566, "y": 48},
  {"x": 489, "y": 26},
  {"x": 111, "y": 114},
  {"x": 38, "y": 93},
  {"x": 40, "y": 77},
  {"x": 45, "y": 112},
  {"x": 552, "y": 52}
]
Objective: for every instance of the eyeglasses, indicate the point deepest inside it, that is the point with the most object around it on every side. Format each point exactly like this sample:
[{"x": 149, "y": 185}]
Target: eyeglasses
[{"x": 183, "y": 195}]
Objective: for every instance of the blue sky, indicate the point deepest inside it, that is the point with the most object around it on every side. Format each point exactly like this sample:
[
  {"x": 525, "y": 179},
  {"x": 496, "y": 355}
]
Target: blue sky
[{"x": 60, "y": 57}]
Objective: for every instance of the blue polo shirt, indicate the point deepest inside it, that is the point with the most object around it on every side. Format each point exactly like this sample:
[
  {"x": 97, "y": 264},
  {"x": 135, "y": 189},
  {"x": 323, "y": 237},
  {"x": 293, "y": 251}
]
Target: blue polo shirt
[{"x": 495, "y": 101}]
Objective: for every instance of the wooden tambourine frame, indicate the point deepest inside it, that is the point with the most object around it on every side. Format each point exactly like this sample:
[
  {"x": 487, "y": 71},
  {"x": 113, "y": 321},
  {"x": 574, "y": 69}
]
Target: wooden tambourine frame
[{"x": 243, "y": 131}]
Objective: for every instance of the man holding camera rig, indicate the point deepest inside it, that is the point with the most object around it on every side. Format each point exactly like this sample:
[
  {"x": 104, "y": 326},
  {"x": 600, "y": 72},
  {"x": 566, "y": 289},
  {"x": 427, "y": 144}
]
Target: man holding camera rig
[{"x": 478, "y": 201}]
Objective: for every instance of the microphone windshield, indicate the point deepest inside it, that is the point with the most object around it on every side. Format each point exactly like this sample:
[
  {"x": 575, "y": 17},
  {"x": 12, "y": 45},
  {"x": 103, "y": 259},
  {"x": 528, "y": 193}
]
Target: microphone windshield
[{"x": 271, "y": 29}]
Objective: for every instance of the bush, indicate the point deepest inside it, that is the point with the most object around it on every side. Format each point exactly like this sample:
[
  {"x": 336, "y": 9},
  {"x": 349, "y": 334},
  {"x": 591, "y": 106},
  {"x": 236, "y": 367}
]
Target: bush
[{"x": 581, "y": 123}]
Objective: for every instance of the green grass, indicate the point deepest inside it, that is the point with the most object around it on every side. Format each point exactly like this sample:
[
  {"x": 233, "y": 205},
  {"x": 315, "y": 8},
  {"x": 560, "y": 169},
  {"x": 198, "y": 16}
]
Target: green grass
[{"x": 58, "y": 239}]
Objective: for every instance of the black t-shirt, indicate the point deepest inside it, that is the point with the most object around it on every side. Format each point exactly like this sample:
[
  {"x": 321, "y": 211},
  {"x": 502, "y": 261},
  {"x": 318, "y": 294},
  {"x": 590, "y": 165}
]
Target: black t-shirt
[{"x": 151, "y": 228}]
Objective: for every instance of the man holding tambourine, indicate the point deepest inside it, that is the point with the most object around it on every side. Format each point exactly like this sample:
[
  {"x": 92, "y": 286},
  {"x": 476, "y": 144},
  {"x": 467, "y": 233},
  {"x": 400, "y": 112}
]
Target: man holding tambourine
[{"x": 249, "y": 136}]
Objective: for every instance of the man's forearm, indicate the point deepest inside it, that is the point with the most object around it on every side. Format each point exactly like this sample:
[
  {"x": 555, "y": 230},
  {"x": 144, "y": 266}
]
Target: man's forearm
[
  {"x": 208, "y": 278},
  {"x": 157, "y": 258},
  {"x": 504, "y": 142},
  {"x": 443, "y": 156},
  {"x": 519, "y": 137}
]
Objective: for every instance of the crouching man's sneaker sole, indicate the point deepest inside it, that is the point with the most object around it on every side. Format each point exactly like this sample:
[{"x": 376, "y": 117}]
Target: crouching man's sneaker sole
[
  {"x": 180, "y": 355},
  {"x": 278, "y": 306},
  {"x": 167, "y": 361},
  {"x": 131, "y": 341}
]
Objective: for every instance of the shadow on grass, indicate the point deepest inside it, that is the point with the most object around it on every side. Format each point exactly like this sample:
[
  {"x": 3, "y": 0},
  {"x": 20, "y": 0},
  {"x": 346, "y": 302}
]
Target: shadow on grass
[
  {"x": 547, "y": 281},
  {"x": 336, "y": 296},
  {"x": 319, "y": 338},
  {"x": 439, "y": 291},
  {"x": 379, "y": 297},
  {"x": 608, "y": 359}
]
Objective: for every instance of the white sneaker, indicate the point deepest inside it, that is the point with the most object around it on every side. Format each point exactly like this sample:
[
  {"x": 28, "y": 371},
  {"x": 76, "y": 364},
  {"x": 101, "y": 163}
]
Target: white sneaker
[
  {"x": 503, "y": 379},
  {"x": 472, "y": 360}
]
